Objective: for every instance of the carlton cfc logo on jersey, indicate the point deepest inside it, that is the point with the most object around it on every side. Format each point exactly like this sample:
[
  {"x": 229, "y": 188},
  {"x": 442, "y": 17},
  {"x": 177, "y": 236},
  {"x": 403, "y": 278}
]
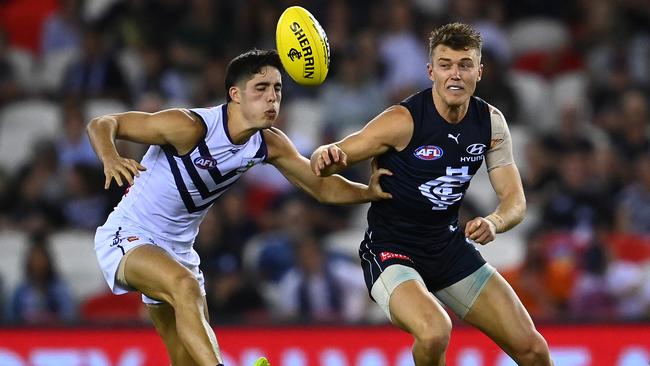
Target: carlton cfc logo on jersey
[
  {"x": 428, "y": 152},
  {"x": 205, "y": 162}
]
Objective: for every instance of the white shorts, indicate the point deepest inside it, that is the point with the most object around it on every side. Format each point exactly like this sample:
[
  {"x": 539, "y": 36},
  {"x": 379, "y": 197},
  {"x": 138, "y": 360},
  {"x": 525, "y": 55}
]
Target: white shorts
[{"x": 116, "y": 237}]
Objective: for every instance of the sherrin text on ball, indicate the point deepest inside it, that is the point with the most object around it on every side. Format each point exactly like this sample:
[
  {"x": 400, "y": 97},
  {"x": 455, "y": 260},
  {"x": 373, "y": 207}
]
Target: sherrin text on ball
[{"x": 303, "y": 46}]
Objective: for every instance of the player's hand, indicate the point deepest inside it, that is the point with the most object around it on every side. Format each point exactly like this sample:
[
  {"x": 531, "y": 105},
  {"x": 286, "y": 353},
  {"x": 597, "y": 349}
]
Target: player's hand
[
  {"x": 121, "y": 169},
  {"x": 325, "y": 156},
  {"x": 374, "y": 187},
  {"x": 480, "y": 230}
]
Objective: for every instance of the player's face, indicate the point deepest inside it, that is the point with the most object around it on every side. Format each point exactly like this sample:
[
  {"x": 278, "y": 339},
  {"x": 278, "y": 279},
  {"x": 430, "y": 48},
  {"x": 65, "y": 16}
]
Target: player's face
[
  {"x": 454, "y": 74},
  {"x": 261, "y": 97}
]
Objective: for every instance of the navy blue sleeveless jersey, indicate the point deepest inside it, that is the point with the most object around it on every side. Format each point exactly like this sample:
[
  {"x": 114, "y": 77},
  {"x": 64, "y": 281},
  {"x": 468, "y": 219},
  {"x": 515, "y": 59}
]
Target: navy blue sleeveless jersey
[{"x": 430, "y": 176}]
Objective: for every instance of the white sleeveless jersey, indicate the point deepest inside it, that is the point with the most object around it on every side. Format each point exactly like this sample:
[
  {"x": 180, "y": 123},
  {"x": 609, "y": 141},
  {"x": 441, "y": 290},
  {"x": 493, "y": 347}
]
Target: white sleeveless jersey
[{"x": 172, "y": 196}]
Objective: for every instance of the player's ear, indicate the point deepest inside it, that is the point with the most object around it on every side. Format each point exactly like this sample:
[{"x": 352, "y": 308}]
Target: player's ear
[
  {"x": 430, "y": 71},
  {"x": 480, "y": 72},
  {"x": 235, "y": 94}
]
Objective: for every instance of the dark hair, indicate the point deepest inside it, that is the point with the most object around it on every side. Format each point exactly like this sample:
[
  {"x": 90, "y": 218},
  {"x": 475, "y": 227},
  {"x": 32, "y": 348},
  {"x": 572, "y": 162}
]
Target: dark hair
[
  {"x": 457, "y": 36},
  {"x": 39, "y": 242},
  {"x": 248, "y": 64}
]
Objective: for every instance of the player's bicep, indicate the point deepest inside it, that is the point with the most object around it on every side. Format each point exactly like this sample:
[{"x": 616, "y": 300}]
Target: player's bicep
[
  {"x": 174, "y": 126},
  {"x": 500, "y": 152},
  {"x": 392, "y": 128}
]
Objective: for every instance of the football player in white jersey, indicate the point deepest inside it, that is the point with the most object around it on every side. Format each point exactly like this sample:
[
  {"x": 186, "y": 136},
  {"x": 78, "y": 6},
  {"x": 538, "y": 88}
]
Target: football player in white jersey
[{"x": 146, "y": 243}]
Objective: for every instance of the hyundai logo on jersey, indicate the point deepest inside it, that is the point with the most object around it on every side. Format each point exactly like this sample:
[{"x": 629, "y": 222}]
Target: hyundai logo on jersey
[
  {"x": 476, "y": 149},
  {"x": 428, "y": 152},
  {"x": 205, "y": 162}
]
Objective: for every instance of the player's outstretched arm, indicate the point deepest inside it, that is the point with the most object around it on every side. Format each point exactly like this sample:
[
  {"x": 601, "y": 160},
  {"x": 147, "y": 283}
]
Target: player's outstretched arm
[
  {"x": 333, "y": 189},
  {"x": 392, "y": 128},
  {"x": 175, "y": 127}
]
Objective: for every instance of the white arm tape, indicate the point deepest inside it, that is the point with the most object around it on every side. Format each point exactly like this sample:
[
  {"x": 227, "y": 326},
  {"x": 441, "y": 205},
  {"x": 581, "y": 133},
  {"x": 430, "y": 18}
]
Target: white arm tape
[{"x": 500, "y": 152}]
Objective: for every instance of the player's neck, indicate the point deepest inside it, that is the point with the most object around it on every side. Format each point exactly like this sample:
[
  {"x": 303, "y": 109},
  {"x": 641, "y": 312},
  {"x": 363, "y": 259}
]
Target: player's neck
[
  {"x": 239, "y": 129},
  {"x": 451, "y": 114}
]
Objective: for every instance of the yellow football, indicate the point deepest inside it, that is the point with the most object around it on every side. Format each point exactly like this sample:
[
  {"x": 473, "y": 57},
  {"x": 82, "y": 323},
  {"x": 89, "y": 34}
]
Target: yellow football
[{"x": 303, "y": 46}]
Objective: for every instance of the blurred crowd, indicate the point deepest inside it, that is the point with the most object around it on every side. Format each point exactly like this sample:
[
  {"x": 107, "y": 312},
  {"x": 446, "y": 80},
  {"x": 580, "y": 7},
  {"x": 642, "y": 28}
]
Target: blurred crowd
[{"x": 571, "y": 77}]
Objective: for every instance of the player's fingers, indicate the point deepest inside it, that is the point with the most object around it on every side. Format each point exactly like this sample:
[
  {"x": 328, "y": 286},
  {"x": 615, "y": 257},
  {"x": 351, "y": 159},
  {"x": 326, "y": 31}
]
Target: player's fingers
[
  {"x": 474, "y": 227},
  {"x": 334, "y": 152},
  {"x": 128, "y": 176},
  {"x": 483, "y": 239},
  {"x": 125, "y": 172},
  {"x": 474, "y": 234},
  {"x": 483, "y": 232},
  {"x": 479, "y": 230},
  {"x": 118, "y": 179},
  {"x": 136, "y": 168},
  {"x": 378, "y": 190},
  {"x": 133, "y": 168},
  {"x": 325, "y": 155},
  {"x": 383, "y": 171},
  {"x": 385, "y": 195},
  {"x": 107, "y": 180},
  {"x": 469, "y": 228},
  {"x": 317, "y": 165},
  {"x": 140, "y": 166},
  {"x": 343, "y": 158}
]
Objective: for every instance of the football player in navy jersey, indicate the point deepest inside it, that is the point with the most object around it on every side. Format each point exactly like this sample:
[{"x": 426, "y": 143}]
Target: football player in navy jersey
[
  {"x": 434, "y": 142},
  {"x": 146, "y": 244}
]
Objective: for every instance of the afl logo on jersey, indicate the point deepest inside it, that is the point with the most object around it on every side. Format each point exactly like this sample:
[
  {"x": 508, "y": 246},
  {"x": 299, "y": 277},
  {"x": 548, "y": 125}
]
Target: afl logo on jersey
[
  {"x": 428, "y": 152},
  {"x": 476, "y": 149},
  {"x": 205, "y": 162}
]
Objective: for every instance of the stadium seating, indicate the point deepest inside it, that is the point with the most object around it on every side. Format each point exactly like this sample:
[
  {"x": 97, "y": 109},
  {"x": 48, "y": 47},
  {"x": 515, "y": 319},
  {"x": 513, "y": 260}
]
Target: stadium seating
[
  {"x": 14, "y": 246},
  {"x": 22, "y": 124},
  {"x": 524, "y": 35},
  {"x": 52, "y": 71},
  {"x": 507, "y": 251},
  {"x": 23, "y": 63},
  {"x": 72, "y": 251},
  {"x": 521, "y": 137},
  {"x": 304, "y": 119},
  {"x": 131, "y": 64},
  {"x": 534, "y": 96},
  {"x": 75, "y": 256},
  {"x": 100, "y": 106}
]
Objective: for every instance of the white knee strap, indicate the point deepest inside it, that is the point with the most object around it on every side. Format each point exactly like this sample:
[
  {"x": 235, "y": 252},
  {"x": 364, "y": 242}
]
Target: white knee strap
[{"x": 460, "y": 296}]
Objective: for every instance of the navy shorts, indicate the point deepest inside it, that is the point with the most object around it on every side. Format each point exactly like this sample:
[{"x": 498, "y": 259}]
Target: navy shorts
[{"x": 440, "y": 264}]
